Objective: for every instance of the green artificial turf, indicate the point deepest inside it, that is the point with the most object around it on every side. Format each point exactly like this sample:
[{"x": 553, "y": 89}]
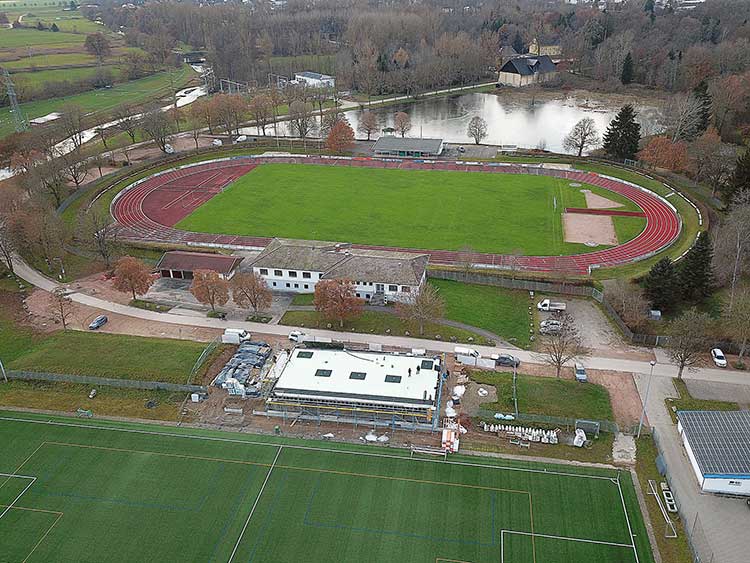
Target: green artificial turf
[
  {"x": 111, "y": 492},
  {"x": 501, "y": 311},
  {"x": 404, "y": 208}
]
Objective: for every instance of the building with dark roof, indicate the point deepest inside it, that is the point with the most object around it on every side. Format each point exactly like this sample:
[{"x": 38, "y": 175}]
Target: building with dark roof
[
  {"x": 297, "y": 266},
  {"x": 180, "y": 264},
  {"x": 526, "y": 70},
  {"x": 390, "y": 145},
  {"x": 717, "y": 444}
]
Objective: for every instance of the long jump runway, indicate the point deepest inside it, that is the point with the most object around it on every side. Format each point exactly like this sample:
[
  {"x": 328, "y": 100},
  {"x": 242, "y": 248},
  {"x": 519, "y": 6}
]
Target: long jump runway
[{"x": 148, "y": 210}]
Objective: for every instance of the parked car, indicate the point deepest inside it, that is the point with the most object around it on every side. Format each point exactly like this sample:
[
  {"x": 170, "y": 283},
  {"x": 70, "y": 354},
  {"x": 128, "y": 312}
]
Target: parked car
[
  {"x": 92, "y": 393},
  {"x": 506, "y": 360},
  {"x": 241, "y": 139},
  {"x": 549, "y": 305},
  {"x": 217, "y": 142},
  {"x": 550, "y": 329},
  {"x": 461, "y": 149},
  {"x": 580, "y": 373},
  {"x": 550, "y": 323},
  {"x": 98, "y": 322},
  {"x": 719, "y": 358},
  {"x": 296, "y": 336}
]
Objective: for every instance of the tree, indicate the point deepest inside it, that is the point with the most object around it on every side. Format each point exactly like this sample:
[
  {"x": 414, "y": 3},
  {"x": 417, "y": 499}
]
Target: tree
[
  {"x": 127, "y": 121},
  {"x": 71, "y": 122},
  {"x": 103, "y": 133},
  {"x": 210, "y": 288},
  {"x": 582, "y": 137},
  {"x": 732, "y": 245},
  {"x": 368, "y": 124},
  {"x": 563, "y": 346},
  {"x": 688, "y": 339},
  {"x": 623, "y": 134},
  {"x": 75, "y": 167},
  {"x": 98, "y": 232},
  {"x": 740, "y": 179},
  {"x": 626, "y": 76},
  {"x": 54, "y": 28},
  {"x": 340, "y": 138},
  {"x": 477, "y": 129},
  {"x": 700, "y": 92},
  {"x": 61, "y": 306},
  {"x": 335, "y": 300},
  {"x": 157, "y": 126},
  {"x": 629, "y": 302},
  {"x": 695, "y": 272},
  {"x": 261, "y": 111},
  {"x": 402, "y": 123},
  {"x": 98, "y": 45},
  {"x": 683, "y": 117},
  {"x": 661, "y": 285},
  {"x": 132, "y": 275},
  {"x": 711, "y": 161},
  {"x": 195, "y": 111},
  {"x": 250, "y": 290},
  {"x": 736, "y": 320},
  {"x": 301, "y": 120},
  {"x": 662, "y": 152},
  {"x": 422, "y": 306}
]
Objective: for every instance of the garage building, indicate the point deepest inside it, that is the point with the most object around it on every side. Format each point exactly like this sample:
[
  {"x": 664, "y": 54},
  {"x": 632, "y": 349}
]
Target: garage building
[
  {"x": 390, "y": 145},
  {"x": 718, "y": 447},
  {"x": 180, "y": 264}
]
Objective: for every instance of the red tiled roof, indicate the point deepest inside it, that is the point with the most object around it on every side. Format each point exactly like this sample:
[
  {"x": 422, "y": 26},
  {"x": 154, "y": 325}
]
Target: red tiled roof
[{"x": 191, "y": 261}]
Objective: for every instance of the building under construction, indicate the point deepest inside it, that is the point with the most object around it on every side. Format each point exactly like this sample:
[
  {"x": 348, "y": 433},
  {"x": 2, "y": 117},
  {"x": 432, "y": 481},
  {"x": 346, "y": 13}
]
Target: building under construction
[{"x": 372, "y": 388}]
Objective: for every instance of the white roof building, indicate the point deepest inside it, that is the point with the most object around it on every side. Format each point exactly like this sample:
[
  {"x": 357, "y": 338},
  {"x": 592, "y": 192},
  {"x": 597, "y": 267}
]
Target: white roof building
[{"x": 315, "y": 79}]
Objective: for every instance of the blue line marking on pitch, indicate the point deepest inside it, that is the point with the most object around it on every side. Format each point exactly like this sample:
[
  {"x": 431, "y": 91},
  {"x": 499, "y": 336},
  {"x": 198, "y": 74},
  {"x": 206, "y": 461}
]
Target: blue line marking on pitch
[{"x": 269, "y": 517}]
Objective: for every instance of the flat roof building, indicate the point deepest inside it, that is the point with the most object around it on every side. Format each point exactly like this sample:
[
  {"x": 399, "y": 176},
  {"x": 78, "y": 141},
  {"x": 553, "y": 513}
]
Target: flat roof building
[
  {"x": 718, "y": 447},
  {"x": 390, "y": 145},
  {"x": 315, "y": 79},
  {"x": 351, "y": 384}
]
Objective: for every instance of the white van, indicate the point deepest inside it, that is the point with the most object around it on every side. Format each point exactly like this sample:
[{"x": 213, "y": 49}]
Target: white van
[{"x": 459, "y": 351}]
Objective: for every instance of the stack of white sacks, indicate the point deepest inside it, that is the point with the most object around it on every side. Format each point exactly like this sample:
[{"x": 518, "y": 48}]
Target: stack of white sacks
[{"x": 529, "y": 434}]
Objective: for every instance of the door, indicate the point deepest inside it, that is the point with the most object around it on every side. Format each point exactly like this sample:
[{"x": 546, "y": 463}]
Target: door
[{"x": 379, "y": 288}]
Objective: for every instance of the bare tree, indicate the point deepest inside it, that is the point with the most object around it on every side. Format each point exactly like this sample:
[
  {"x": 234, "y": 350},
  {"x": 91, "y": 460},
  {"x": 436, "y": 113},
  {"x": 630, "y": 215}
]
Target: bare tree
[
  {"x": 75, "y": 167},
  {"x": 97, "y": 231},
  {"x": 301, "y": 120},
  {"x": 422, "y": 306},
  {"x": 261, "y": 111},
  {"x": 103, "y": 133},
  {"x": 402, "y": 123},
  {"x": 467, "y": 258},
  {"x": 629, "y": 301},
  {"x": 250, "y": 290},
  {"x": 736, "y": 321},
  {"x": 563, "y": 346},
  {"x": 72, "y": 124},
  {"x": 61, "y": 306},
  {"x": 127, "y": 120},
  {"x": 477, "y": 129},
  {"x": 582, "y": 137},
  {"x": 157, "y": 125},
  {"x": 712, "y": 161},
  {"x": 47, "y": 179},
  {"x": 683, "y": 117},
  {"x": 732, "y": 247},
  {"x": 688, "y": 339},
  {"x": 368, "y": 124}
]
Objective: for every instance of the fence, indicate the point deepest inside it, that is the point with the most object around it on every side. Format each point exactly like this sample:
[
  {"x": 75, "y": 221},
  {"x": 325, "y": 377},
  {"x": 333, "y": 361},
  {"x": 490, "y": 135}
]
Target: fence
[
  {"x": 692, "y": 526},
  {"x": 91, "y": 380},
  {"x": 569, "y": 288}
]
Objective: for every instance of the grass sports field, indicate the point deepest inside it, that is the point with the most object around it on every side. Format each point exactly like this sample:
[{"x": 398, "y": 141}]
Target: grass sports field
[
  {"x": 101, "y": 491},
  {"x": 404, "y": 208}
]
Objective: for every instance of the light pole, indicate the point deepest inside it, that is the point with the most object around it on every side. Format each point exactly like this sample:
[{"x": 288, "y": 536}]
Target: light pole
[
  {"x": 645, "y": 399},
  {"x": 2, "y": 369},
  {"x": 515, "y": 394}
]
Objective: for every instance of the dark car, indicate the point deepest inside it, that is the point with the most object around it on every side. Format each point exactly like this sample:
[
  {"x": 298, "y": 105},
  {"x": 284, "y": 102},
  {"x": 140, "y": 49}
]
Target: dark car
[
  {"x": 507, "y": 360},
  {"x": 98, "y": 322}
]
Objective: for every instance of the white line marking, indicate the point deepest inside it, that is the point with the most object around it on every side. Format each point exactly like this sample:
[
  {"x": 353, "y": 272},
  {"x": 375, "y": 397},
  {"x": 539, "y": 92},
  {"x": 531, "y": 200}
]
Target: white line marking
[
  {"x": 582, "y": 540},
  {"x": 26, "y": 488},
  {"x": 305, "y": 448},
  {"x": 255, "y": 504},
  {"x": 627, "y": 519}
]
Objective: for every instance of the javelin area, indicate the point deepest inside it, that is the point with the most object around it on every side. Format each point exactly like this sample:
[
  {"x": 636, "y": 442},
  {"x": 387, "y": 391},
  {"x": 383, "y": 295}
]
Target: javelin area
[
  {"x": 434, "y": 207},
  {"x": 101, "y": 491}
]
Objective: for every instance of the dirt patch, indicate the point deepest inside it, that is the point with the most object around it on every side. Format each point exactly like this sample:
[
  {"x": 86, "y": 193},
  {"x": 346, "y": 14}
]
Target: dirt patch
[
  {"x": 472, "y": 401},
  {"x": 592, "y": 230},
  {"x": 595, "y": 201},
  {"x": 623, "y": 394}
]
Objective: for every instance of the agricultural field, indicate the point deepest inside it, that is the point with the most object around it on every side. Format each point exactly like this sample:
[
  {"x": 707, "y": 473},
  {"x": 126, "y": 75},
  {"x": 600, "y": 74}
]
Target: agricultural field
[
  {"x": 404, "y": 208},
  {"x": 104, "y": 491}
]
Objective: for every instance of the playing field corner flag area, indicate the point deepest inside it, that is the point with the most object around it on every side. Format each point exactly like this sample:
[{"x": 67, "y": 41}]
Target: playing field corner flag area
[{"x": 73, "y": 491}]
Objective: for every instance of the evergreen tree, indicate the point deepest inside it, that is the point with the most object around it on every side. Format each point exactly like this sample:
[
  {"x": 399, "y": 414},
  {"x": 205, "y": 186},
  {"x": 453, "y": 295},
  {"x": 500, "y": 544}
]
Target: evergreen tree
[
  {"x": 626, "y": 77},
  {"x": 518, "y": 44},
  {"x": 661, "y": 286},
  {"x": 623, "y": 134},
  {"x": 54, "y": 27},
  {"x": 701, "y": 94},
  {"x": 649, "y": 6},
  {"x": 741, "y": 178},
  {"x": 696, "y": 272}
]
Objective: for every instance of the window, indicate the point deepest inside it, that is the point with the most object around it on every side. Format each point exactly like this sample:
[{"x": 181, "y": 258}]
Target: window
[
  {"x": 292, "y": 274},
  {"x": 306, "y": 275},
  {"x": 426, "y": 364},
  {"x": 278, "y": 273},
  {"x": 296, "y": 286},
  {"x": 323, "y": 373},
  {"x": 306, "y": 354},
  {"x": 358, "y": 296},
  {"x": 359, "y": 375},
  {"x": 406, "y": 289},
  {"x": 274, "y": 284},
  {"x": 264, "y": 271},
  {"x": 393, "y": 379},
  {"x": 306, "y": 286},
  {"x": 392, "y": 288},
  {"x": 288, "y": 284}
]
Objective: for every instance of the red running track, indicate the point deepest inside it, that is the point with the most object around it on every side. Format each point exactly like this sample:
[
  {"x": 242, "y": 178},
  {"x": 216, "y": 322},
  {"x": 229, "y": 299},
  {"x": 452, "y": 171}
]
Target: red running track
[
  {"x": 148, "y": 211},
  {"x": 610, "y": 212}
]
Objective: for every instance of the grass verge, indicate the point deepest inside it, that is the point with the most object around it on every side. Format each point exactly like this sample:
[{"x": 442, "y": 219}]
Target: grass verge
[{"x": 687, "y": 402}]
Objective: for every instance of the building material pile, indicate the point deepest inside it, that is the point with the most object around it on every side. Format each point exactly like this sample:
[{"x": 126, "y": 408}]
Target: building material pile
[{"x": 242, "y": 374}]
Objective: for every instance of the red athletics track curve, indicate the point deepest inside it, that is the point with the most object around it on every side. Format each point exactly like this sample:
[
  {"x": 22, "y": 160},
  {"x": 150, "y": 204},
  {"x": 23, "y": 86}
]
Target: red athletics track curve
[{"x": 148, "y": 210}]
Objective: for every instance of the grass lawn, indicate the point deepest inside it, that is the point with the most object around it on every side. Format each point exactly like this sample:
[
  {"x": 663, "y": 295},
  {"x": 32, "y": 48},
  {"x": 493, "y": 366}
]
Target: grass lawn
[
  {"x": 303, "y": 299},
  {"x": 111, "y": 355},
  {"x": 273, "y": 499},
  {"x": 51, "y": 59},
  {"x": 40, "y": 77},
  {"x": 379, "y": 323},
  {"x": 547, "y": 395},
  {"x": 408, "y": 208},
  {"x": 501, "y": 311},
  {"x": 13, "y": 38},
  {"x": 109, "y": 401},
  {"x": 687, "y": 402}
]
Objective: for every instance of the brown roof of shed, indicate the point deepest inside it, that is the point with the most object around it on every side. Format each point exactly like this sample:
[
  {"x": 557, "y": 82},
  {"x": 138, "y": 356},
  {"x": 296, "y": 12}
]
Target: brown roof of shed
[{"x": 192, "y": 261}]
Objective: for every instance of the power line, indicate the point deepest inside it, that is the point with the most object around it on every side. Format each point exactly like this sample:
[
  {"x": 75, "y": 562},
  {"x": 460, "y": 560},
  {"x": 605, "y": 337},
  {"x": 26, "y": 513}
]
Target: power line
[{"x": 19, "y": 119}]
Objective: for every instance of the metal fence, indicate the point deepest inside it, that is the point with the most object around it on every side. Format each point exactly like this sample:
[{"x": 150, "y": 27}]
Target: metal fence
[
  {"x": 92, "y": 380},
  {"x": 691, "y": 523}
]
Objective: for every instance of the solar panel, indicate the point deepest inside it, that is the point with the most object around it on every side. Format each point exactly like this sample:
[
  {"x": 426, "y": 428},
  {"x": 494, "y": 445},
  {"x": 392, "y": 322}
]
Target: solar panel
[{"x": 720, "y": 440}]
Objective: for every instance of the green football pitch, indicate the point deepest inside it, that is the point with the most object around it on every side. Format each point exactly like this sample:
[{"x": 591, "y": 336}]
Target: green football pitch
[
  {"x": 434, "y": 210},
  {"x": 102, "y": 491}
]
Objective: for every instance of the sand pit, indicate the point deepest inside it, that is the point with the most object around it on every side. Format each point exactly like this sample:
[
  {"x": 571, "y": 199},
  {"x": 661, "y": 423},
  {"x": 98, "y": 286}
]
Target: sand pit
[
  {"x": 593, "y": 230},
  {"x": 594, "y": 201}
]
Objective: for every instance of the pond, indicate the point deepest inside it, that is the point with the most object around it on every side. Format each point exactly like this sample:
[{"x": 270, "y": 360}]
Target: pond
[{"x": 525, "y": 121}]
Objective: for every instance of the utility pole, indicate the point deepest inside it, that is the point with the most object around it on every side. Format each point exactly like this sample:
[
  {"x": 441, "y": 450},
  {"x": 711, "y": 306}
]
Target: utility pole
[
  {"x": 19, "y": 119},
  {"x": 645, "y": 399},
  {"x": 2, "y": 369}
]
